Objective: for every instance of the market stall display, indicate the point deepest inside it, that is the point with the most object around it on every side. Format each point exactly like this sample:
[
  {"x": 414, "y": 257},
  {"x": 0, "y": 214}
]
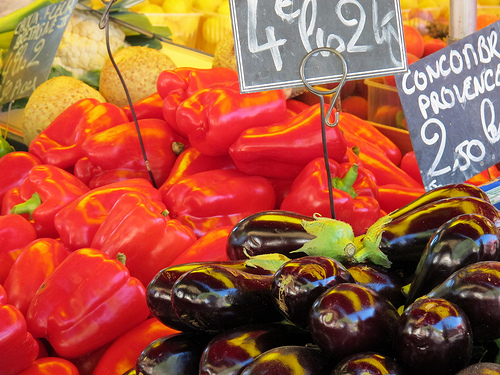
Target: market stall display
[{"x": 195, "y": 230}]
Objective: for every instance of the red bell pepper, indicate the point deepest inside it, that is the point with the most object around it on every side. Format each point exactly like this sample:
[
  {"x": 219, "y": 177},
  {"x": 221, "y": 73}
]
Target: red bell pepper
[
  {"x": 381, "y": 166},
  {"x": 294, "y": 107},
  {"x": 51, "y": 366},
  {"x": 122, "y": 355},
  {"x": 283, "y": 150},
  {"x": 3, "y": 295},
  {"x": 350, "y": 123},
  {"x": 208, "y": 200},
  {"x": 213, "y": 118},
  {"x": 44, "y": 192},
  {"x": 60, "y": 144},
  {"x": 118, "y": 149},
  {"x": 485, "y": 176},
  {"x": 86, "y": 302},
  {"x": 355, "y": 194},
  {"x": 149, "y": 107},
  {"x": 392, "y": 197},
  {"x": 410, "y": 166},
  {"x": 14, "y": 168},
  {"x": 78, "y": 222},
  {"x": 36, "y": 261},
  {"x": 15, "y": 233},
  {"x": 137, "y": 228},
  {"x": 210, "y": 247},
  {"x": 18, "y": 348},
  {"x": 176, "y": 85},
  {"x": 192, "y": 161}
]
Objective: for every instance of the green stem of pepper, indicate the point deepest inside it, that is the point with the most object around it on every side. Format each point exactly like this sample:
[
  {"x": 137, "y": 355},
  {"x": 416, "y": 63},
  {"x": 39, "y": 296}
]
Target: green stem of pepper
[
  {"x": 28, "y": 206},
  {"x": 346, "y": 183}
]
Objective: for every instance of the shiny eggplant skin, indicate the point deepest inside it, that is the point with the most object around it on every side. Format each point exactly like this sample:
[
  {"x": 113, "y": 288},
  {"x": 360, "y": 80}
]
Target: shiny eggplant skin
[
  {"x": 476, "y": 290},
  {"x": 442, "y": 192},
  {"x": 298, "y": 282},
  {"x": 405, "y": 238},
  {"x": 215, "y": 298},
  {"x": 483, "y": 368},
  {"x": 177, "y": 354},
  {"x": 268, "y": 232},
  {"x": 369, "y": 363},
  {"x": 290, "y": 360},
  {"x": 228, "y": 352},
  {"x": 351, "y": 318},
  {"x": 463, "y": 240},
  {"x": 433, "y": 337},
  {"x": 382, "y": 280},
  {"x": 159, "y": 290}
]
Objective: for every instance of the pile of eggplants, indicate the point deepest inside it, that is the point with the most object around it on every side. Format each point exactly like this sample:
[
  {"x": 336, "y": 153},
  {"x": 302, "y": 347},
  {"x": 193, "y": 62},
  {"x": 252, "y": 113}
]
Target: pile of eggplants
[{"x": 435, "y": 311}]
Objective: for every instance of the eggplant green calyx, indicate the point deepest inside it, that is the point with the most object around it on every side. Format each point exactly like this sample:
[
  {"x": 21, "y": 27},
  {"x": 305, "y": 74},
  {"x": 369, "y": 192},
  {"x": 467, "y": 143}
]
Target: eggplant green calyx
[
  {"x": 271, "y": 262},
  {"x": 346, "y": 183},
  {"x": 28, "y": 206},
  {"x": 335, "y": 239}
]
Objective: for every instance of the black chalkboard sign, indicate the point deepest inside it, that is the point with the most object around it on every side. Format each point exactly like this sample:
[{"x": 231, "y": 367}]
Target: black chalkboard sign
[
  {"x": 272, "y": 38},
  {"x": 36, "y": 39},
  {"x": 451, "y": 101}
]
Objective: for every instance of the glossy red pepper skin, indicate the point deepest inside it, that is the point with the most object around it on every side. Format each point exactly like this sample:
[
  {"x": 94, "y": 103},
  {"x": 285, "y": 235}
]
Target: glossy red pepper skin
[
  {"x": 18, "y": 348},
  {"x": 410, "y": 166},
  {"x": 309, "y": 195},
  {"x": 207, "y": 200},
  {"x": 123, "y": 353},
  {"x": 282, "y": 150},
  {"x": 350, "y": 123},
  {"x": 176, "y": 85},
  {"x": 36, "y": 261},
  {"x": 15, "y": 233},
  {"x": 192, "y": 161},
  {"x": 384, "y": 170},
  {"x": 78, "y": 222},
  {"x": 97, "y": 304},
  {"x": 55, "y": 188},
  {"x": 149, "y": 107},
  {"x": 14, "y": 168},
  {"x": 118, "y": 149},
  {"x": 3, "y": 295},
  {"x": 140, "y": 229},
  {"x": 213, "y": 118},
  {"x": 51, "y": 366},
  {"x": 211, "y": 247},
  {"x": 392, "y": 197},
  {"x": 60, "y": 144}
]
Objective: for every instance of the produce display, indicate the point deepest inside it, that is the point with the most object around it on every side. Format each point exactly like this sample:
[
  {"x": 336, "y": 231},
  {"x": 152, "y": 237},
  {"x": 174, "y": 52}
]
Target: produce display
[{"x": 197, "y": 231}]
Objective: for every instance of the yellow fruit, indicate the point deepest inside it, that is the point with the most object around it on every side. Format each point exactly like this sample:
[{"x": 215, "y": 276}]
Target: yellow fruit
[
  {"x": 140, "y": 68},
  {"x": 151, "y": 8},
  {"x": 224, "y": 8},
  {"x": 50, "y": 99},
  {"x": 409, "y": 4},
  {"x": 176, "y": 6},
  {"x": 488, "y": 2},
  {"x": 206, "y": 5},
  {"x": 215, "y": 27}
]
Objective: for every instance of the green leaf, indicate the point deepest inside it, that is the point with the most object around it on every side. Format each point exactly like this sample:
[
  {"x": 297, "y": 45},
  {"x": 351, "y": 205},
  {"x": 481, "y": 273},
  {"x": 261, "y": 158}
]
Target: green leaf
[
  {"x": 58, "y": 71},
  {"x": 91, "y": 78},
  {"x": 143, "y": 41}
]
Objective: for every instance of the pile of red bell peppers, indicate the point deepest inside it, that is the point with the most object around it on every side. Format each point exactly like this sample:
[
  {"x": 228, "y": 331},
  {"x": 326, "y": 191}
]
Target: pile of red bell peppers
[{"x": 84, "y": 228}]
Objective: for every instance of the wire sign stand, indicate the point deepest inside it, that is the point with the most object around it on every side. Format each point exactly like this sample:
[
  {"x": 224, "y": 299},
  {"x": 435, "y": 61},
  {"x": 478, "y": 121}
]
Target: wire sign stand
[{"x": 326, "y": 114}]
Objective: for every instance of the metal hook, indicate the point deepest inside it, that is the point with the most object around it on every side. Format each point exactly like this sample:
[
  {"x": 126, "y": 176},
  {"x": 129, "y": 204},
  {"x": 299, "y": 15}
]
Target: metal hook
[
  {"x": 105, "y": 15},
  {"x": 323, "y": 93}
]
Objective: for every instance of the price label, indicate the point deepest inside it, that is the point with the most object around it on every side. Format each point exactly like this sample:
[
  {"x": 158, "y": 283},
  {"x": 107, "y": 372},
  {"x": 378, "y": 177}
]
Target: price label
[
  {"x": 452, "y": 108},
  {"x": 36, "y": 39},
  {"x": 272, "y": 38}
]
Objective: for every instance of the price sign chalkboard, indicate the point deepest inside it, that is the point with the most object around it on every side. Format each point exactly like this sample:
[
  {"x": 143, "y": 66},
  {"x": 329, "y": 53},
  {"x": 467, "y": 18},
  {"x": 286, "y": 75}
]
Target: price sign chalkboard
[
  {"x": 451, "y": 101},
  {"x": 32, "y": 50},
  {"x": 272, "y": 38}
]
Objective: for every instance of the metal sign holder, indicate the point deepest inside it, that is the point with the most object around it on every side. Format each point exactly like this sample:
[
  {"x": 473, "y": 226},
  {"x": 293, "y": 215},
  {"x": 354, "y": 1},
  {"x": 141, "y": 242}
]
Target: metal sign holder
[{"x": 325, "y": 117}]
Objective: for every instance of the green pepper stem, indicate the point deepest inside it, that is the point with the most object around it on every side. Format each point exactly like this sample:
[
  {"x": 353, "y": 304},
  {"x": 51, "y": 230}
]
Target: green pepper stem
[
  {"x": 346, "y": 183},
  {"x": 27, "y": 207}
]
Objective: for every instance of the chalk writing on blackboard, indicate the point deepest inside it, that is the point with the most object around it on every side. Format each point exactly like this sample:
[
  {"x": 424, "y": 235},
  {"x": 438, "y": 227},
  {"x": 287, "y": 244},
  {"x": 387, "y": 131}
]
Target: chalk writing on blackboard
[
  {"x": 34, "y": 45},
  {"x": 451, "y": 101},
  {"x": 272, "y": 37}
]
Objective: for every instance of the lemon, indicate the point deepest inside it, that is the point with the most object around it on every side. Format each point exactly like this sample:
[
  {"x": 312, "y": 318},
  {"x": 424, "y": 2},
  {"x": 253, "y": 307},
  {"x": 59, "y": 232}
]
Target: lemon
[
  {"x": 206, "y": 5},
  {"x": 409, "y": 4},
  {"x": 176, "y": 6}
]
